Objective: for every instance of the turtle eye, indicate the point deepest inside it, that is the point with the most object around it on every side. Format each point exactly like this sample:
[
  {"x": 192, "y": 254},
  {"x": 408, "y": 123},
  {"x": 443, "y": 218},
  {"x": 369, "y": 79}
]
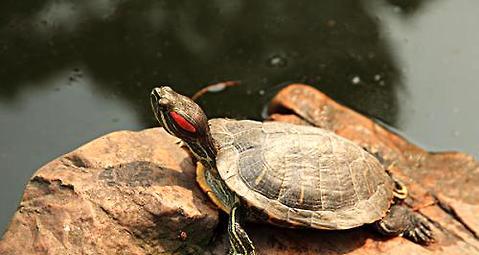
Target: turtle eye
[{"x": 182, "y": 122}]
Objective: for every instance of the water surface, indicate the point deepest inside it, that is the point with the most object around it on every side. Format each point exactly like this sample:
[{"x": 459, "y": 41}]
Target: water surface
[{"x": 71, "y": 71}]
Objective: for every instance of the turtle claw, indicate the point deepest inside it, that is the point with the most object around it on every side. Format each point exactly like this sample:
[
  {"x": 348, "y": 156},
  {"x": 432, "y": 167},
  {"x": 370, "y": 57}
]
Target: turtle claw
[{"x": 419, "y": 231}]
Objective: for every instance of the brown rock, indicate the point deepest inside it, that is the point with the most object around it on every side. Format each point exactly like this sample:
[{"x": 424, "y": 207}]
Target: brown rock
[
  {"x": 134, "y": 193},
  {"x": 124, "y": 193}
]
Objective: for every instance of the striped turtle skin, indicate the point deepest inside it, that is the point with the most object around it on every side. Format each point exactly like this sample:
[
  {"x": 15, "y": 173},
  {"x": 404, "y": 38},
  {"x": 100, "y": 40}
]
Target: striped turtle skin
[{"x": 300, "y": 176}]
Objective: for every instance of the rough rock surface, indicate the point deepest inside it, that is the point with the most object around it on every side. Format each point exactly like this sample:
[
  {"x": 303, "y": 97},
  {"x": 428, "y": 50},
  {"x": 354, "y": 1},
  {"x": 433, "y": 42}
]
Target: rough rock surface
[
  {"x": 134, "y": 193},
  {"x": 124, "y": 193}
]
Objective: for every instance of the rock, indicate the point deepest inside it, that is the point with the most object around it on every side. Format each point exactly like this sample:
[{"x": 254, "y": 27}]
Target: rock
[
  {"x": 124, "y": 193},
  {"x": 134, "y": 193}
]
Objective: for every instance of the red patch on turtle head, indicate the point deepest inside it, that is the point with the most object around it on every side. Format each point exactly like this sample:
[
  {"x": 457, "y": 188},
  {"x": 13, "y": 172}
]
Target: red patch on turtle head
[{"x": 182, "y": 122}]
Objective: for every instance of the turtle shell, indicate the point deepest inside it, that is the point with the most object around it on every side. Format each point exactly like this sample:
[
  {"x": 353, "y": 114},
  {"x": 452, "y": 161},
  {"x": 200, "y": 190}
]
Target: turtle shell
[{"x": 299, "y": 175}]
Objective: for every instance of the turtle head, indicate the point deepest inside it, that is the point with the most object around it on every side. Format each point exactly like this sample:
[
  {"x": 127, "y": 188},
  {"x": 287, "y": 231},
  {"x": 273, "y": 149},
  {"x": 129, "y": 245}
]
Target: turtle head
[{"x": 182, "y": 117}]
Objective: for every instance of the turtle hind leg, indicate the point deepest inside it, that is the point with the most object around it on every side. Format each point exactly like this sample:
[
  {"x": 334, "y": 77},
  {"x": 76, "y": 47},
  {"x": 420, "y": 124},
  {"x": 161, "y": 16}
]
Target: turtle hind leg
[
  {"x": 401, "y": 220},
  {"x": 240, "y": 243}
]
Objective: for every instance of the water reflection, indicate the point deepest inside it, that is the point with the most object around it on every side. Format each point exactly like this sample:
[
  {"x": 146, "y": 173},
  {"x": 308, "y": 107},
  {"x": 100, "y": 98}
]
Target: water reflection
[
  {"x": 130, "y": 46},
  {"x": 407, "y": 7},
  {"x": 437, "y": 51}
]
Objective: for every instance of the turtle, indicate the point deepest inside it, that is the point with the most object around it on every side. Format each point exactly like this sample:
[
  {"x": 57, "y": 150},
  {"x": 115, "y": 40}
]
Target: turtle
[{"x": 287, "y": 175}]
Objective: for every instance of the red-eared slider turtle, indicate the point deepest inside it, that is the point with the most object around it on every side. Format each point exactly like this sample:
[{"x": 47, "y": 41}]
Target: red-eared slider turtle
[{"x": 285, "y": 174}]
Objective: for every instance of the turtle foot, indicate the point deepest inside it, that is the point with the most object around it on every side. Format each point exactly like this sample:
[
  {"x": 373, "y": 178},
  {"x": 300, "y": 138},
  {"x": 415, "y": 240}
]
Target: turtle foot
[
  {"x": 419, "y": 230},
  {"x": 403, "y": 221}
]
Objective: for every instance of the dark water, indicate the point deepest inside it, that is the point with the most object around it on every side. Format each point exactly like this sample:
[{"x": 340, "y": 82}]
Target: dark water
[{"x": 71, "y": 71}]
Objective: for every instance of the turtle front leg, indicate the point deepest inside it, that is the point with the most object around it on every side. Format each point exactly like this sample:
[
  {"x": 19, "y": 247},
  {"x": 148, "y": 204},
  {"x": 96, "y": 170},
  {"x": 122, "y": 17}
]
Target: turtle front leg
[
  {"x": 401, "y": 220},
  {"x": 240, "y": 243}
]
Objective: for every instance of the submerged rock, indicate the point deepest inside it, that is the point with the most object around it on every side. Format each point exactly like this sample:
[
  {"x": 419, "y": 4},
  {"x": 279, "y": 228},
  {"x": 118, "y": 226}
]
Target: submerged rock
[{"x": 135, "y": 193}]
